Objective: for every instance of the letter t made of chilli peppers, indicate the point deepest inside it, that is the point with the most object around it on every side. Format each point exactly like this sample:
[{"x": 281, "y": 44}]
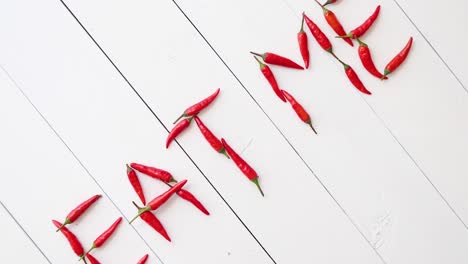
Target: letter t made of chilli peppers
[
  {"x": 266, "y": 71},
  {"x": 248, "y": 171}
]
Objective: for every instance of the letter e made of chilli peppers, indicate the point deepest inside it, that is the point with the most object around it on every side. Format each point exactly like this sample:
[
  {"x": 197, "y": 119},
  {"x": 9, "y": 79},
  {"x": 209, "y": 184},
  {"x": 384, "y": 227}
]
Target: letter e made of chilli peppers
[{"x": 248, "y": 171}]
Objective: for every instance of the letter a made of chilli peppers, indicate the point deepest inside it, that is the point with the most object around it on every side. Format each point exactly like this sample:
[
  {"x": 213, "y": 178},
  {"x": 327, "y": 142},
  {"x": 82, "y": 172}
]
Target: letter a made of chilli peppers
[
  {"x": 196, "y": 108},
  {"x": 366, "y": 59},
  {"x": 92, "y": 259},
  {"x": 79, "y": 210},
  {"x": 143, "y": 259},
  {"x": 303, "y": 44},
  {"x": 399, "y": 59},
  {"x": 72, "y": 239},
  {"x": 271, "y": 79},
  {"x": 101, "y": 239},
  {"x": 243, "y": 165},
  {"x": 161, "y": 199},
  {"x": 210, "y": 137},
  {"x": 153, "y": 172},
  {"x": 299, "y": 109},
  {"x": 178, "y": 128},
  {"x": 188, "y": 196},
  {"x": 319, "y": 36},
  {"x": 362, "y": 29},
  {"x": 154, "y": 222},
  {"x": 276, "y": 59},
  {"x": 334, "y": 23},
  {"x": 133, "y": 178}
]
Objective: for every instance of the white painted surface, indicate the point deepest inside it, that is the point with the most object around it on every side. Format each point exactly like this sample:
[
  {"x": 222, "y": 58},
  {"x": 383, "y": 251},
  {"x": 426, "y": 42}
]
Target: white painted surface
[{"x": 376, "y": 155}]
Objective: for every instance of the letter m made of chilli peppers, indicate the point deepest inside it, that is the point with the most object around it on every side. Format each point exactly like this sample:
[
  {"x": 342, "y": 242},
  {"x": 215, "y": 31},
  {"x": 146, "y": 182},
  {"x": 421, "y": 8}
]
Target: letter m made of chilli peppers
[{"x": 248, "y": 171}]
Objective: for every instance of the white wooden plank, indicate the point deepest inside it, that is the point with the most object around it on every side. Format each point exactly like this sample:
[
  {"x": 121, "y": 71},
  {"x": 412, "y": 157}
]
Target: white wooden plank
[
  {"x": 351, "y": 135},
  {"x": 15, "y": 244},
  {"x": 79, "y": 91},
  {"x": 44, "y": 182},
  {"x": 443, "y": 24},
  {"x": 111, "y": 136}
]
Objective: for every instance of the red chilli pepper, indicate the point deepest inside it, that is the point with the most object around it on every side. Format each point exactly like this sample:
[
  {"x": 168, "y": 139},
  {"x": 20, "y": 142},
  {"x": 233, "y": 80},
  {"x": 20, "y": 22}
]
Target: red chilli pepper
[
  {"x": 319, "y": 36},
  {"x": 299, "y": 109},
  {"x": 79, "y": 210},
  {"x": 359, "y": 31},
  {"x": 352, "y": 76},
  {"x": 154, "y": 222},
  {"x": 399, "y": 58},
  {"x": 133, "y": 178},
  {"x": 196, "y": 108},
  {"x": 101, "y": 239},
  {"x": 243, "y": 165},
  {"x": 276, "y": 59},
  {"x": 92, "y": 259},
  {"x": 210, "y": 137},
  {"x": 303, "y": 44},
  {"x": 366, "y": 59},
  {"x": 72, "y": 239},
  {"x": 143, "y": 259},
  {"x": 188, "y": 196},
  {"x": 153, "y": 172},
  {"x": 271, "y": 79},
  {"x": 160, "y": 200},
  {"x": 181, "y": 126},
  {"x": 334, "y": 23}
]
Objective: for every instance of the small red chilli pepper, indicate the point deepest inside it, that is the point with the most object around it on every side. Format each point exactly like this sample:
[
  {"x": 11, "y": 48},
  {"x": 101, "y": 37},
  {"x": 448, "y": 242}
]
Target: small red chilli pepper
[
  {"x": 303, "y": 44},
  {"x": 352, "y": 76},
  {"x": 196, "y": 108},
  {"x": 359, "y": 31},
  {"x": 270, "y": 78},
  {"x": 133, "y": 178},
  {"x": 154, "y": 222},
  {"x": 334, "y": 23},
  {"x": 178, "y": 128},
  {"x": 153, "y": 172},
  {"x": 188, "y": 196},
  {"x": 248, "y": 171},
  {"x": 366, "y": 59},
  {"x": 210, "y": 137},
  {"x": 72, "y": 239},
  {"x": 101, "y": 239},
  {"x": 161, "y": 199},
  {"x": 299, "y": 109},
  {"x": 329, "y": 2},
  {"x": 79, "y": 210},
  {"x": 143, "y": 259},
  {"x": 319, "y": 36},
  {"x": 92, "y": 259},
  {"x": 276, "y": 59},
  {"x": 399, "y": 58}
]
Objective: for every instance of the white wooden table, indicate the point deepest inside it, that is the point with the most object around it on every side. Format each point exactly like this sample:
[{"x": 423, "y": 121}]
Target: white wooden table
[{"x": 87, "y": 86}]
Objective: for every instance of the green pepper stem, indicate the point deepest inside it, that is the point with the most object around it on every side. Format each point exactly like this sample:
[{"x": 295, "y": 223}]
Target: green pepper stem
[
  {"x": 140, "y": 211},
  {"x": 67, "y": 221},
  {"x": 311, "y": 126},
  {"x": 89, "y": 250},
  {"x": 182, "y": 115},
  {"x": 255, "y": 181},
  {"x": 223, "y": 151}
]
